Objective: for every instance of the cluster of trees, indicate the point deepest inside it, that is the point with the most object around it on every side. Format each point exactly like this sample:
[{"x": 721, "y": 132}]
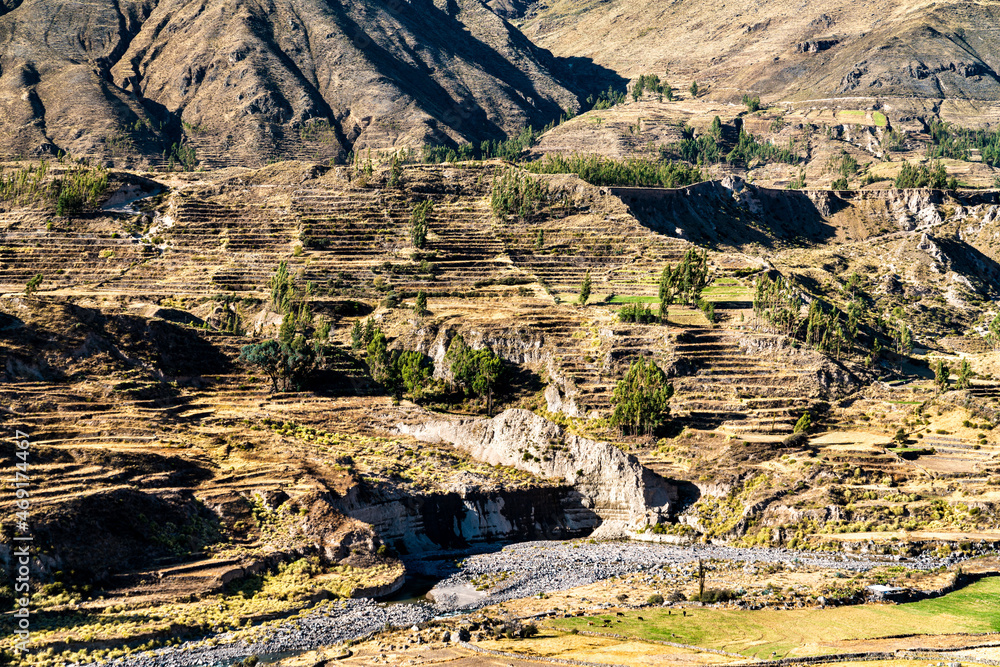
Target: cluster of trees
[
  {"x": 476, "y": 372},
  {"x": 826, "y": 330},
  {"x": 418, "y": 223},
  {"x": 640, "y": 313},
  {"x": 641, "y": 399},
  {"x": 706, "y": 149},
  {"x": 302, "y": 343},
  {"x": 181, "y": 155},
  {"x": 752, "y": 103},
  {"x": 846, "y": 166},
  {"x": 631, "y": 172},
  {"x": 606, "y": 99},
  {"x": 748, "y": 148},
  {"x": 79, "y": 186},
  {"x": 778, "y": 302},
  {"x": 505, "y": 149},
  {"x": 514, "y": 193},
  {"x": 957, "y": 143},
  {"x": 936, "y": 177},
  {"x": 681, "y": 284},
  {"x": 942, "y": 374},
  {"x": 398, "y": 371},
  {"x": 825, "y": 327},
  {"x": 652, "y": 83},
  {"x": 685, "y": 282},
  {"x": 709, "y": 148}
]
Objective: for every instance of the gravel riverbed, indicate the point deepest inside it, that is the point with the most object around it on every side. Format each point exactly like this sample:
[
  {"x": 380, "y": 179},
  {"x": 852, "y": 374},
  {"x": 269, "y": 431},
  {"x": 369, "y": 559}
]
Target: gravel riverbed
[{"x": 537, "y": 567}]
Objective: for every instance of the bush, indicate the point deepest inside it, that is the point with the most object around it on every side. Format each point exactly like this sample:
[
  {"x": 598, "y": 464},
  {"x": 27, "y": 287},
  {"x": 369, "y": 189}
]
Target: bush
[
  {"x": 804, "y": 423},
  {"x": 713, "y": 595},
  {"x": 752, "y": 103},
  {"x": 655, "y": 598}
]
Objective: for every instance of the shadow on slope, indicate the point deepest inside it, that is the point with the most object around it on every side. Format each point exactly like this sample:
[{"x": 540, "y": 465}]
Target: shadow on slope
[{"x": 717, "y": 214}]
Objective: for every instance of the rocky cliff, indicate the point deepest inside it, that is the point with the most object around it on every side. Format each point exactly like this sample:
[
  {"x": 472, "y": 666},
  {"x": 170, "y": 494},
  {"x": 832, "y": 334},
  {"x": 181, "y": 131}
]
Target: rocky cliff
[{"x": 612, "y": 483}]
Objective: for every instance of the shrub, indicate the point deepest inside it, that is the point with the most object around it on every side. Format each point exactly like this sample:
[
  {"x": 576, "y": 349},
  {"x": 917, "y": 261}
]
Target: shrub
[
  {"x": 420, "y": 304},
  {"x": 33, "y": 284},
  {"x": 713, "y": 595},
  {"x": 655, "y": 598},
  {"x": 804, "y": 423},
  {"x": 752, "y": 103}
]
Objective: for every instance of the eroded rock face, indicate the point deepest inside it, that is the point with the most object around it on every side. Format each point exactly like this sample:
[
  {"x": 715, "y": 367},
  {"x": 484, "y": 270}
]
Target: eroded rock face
[
  {"x": 613, "y": 484},
  {"x": 464, "y": 516}
]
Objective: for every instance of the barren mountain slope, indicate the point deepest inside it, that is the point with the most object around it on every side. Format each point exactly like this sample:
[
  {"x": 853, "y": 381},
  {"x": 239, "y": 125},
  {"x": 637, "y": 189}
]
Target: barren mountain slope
[
  {"x": 245, "y": 80},
  {"x": 789, "y": 51}
]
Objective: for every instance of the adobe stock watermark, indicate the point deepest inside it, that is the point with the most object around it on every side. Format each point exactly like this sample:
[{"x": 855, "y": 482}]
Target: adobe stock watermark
[{"x": 20, "y": 562}]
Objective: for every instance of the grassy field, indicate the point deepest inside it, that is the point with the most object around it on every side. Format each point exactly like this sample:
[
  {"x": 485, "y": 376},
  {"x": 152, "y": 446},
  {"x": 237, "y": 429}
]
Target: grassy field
[
  {"x": 634, "y": 299},
  {"x": 814, "y": 631}
]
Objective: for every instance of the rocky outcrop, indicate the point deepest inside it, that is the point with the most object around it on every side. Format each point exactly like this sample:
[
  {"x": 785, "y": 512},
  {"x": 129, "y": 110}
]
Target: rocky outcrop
[
  {"x": 612, "y": 483},
  {"x": 464, "y": 516}
]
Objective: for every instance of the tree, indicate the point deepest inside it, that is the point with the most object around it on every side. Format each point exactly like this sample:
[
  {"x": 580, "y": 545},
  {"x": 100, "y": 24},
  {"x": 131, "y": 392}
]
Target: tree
[
  {"x": 489, "y": 371},
  {"x": 458, "y": 361},
  {"x": 716, "y": 128},
  {"x": 396, "y": 171},
  {"x": 298, "y": 359},
  {"x": 540, "y": 241},
  {"x": 994, "y": 333},
  {"x": 804, "y": 423},
  {"x": 941, "y": 374},
  {"x": 478, "y": 372},
  {"x": 420, "y": 304},
  {"x": 323, "y": 330},
  {"x": 585, "y": 289},
  {"x": 33, "y": 284},
  {"x": 357, "y": 335},
  {"x": 414, "y": 370},
  {"x": 266, "y": 356},
  {"x": 378, "y": 357},
  {"x": 641, "y": 398},
  {"x": 418, "y": 223},
  {"x": 693, "y": 89},
  {"x": 964, "y": 375},
  {"x": 282, "y": 288}
]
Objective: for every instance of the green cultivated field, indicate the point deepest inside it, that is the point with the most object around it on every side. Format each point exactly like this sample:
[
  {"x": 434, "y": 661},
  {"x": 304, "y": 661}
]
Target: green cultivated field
[{"x": 975, "y": 608}]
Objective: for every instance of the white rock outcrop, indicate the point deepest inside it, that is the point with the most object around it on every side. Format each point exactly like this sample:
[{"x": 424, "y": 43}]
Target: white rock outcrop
[{"x": 612, "y": 483}]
